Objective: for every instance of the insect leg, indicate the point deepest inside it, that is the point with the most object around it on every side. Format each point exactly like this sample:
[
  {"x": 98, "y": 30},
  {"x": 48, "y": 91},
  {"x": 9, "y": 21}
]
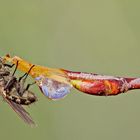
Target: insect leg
[
  {"x": 21, "y": 83},
  {"x": 12, "y": 80},
  {"x": 27, "y": 87},
  {"x": 26, "y": 74},
  {"x": 8, "y": 65}
]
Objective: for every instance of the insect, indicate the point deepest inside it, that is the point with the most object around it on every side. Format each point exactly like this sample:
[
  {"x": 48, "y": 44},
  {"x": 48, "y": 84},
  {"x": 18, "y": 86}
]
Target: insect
[
  {"x": 15, "y": 88},
  {"x": 16, "y": 91},
  {"x": 56, "y": 83},
  {"x": 10, "y": 89}
]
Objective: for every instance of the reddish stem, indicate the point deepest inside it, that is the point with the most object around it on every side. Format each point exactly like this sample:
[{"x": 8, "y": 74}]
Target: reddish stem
[{"x": 102, "y": 85}]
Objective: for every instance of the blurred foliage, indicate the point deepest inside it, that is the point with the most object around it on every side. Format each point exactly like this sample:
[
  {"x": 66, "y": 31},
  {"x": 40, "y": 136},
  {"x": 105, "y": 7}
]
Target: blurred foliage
[{"x": 92, "y": 36}]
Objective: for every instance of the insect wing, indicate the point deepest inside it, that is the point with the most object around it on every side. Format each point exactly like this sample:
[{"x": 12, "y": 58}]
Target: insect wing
[
  {"x": 22, "y": 113},
  {"x": 53, "y": 89}
]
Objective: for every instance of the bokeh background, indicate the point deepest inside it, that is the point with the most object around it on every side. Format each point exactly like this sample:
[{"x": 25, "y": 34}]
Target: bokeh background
[{"x": 88, "y": 35}]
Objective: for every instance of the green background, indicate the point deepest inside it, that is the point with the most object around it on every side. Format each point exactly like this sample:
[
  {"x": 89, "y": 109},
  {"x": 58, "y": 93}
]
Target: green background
[{"x": 88, "y": 35}]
